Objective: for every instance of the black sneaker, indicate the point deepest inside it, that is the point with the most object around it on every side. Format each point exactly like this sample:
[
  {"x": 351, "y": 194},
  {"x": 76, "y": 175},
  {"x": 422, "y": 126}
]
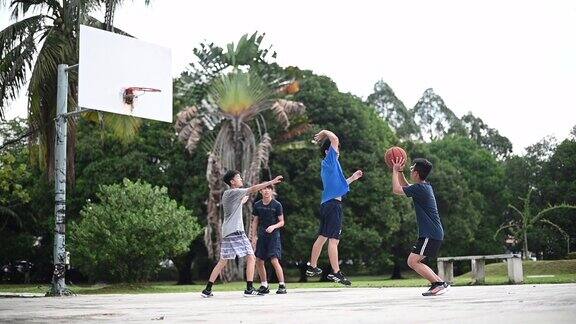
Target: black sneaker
[
  {"x": 311, "y": 272},
  {"x": 252, "y": 293},
  {"x": 263, "y": 290},
  {"x": 437, "y": 288},
  {"x": 281, "y": 290},
  {"x": 339, "y": 277},
  {"x": 207, "y": 293}
]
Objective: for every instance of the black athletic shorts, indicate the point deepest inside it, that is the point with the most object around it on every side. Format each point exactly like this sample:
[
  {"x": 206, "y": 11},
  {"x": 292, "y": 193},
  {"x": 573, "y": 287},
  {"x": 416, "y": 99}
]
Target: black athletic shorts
[
  {"x": 331, "y": 219},
  {"x": 427, "y": 247},
  {"x": 268, "y": 246}
]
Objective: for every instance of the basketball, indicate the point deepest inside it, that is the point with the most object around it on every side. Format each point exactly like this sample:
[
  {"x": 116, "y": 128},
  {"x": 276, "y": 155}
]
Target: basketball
[{"x": 392, "y": 153}]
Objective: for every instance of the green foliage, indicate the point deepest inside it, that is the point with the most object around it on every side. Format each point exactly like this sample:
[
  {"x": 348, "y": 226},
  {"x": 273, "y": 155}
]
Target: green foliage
[
  {"x": 125, "y": 235},
  {"x": 237, "y": 92}
]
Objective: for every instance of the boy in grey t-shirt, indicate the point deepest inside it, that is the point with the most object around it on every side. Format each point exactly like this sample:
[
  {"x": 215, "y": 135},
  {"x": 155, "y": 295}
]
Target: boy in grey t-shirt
[{"x": 234, "y": 240}]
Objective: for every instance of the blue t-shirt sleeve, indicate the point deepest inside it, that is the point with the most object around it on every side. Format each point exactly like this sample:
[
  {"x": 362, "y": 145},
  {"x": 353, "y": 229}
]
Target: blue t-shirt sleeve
[
  {"x": 279, "y": 210},
  {"x": 411, "y": 191},
  {"x": 332, "y": 156}
]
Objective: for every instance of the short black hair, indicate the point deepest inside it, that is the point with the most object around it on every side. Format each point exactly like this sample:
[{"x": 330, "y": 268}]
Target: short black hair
[
  {"x": 229, "y": 176},
  {"x": 423, "y": 167}
]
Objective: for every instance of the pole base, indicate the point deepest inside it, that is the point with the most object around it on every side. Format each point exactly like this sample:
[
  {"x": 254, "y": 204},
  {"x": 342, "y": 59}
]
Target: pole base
[{"x": 62, "y": 293}]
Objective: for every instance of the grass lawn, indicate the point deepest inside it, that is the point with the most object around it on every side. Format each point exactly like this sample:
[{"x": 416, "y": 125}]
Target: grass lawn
[{"x": 535, "y": 272}]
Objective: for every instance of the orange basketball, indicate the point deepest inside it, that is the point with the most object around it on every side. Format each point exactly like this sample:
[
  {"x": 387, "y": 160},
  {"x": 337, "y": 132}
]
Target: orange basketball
[{"x": 392, "y": 153}]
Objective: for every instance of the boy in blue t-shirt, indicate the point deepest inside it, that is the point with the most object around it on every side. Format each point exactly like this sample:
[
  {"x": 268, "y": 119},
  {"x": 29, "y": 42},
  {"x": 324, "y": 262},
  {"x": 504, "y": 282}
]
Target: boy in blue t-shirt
[
  {"x": 430, "y": 231},
  {"x": 335, "y": 186}
]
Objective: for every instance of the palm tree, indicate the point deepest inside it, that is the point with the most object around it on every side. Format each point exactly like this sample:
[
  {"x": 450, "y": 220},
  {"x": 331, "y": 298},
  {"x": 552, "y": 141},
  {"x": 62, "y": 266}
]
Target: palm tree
[
  {"x": 234, "y": 106},
  {"x": 527, "y": 220},
  {"x": 45, "y": 34}
]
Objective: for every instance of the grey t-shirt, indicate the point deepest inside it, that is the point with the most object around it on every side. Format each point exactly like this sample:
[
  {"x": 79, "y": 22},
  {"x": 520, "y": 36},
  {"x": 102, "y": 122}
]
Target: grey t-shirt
[{"x": 232, "y": 205}]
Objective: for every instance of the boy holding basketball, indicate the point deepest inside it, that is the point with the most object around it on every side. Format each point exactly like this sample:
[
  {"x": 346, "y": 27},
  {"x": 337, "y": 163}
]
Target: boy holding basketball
[
  {"x": 430, "y": 231},
  {"x": 234, "y": 241},
  {"x": 335, "y": 185},
  {"x": 268, "y": 217}
]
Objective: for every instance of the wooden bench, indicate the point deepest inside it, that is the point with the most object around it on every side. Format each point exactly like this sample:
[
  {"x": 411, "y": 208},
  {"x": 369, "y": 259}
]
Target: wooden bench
[{"x": 514, "y": 261}]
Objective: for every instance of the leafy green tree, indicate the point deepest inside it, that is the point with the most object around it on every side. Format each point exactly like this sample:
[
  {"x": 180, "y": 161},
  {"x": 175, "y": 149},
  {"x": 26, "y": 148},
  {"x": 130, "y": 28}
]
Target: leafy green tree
[
  {"x": 132, "y": 227},
  {"x": 14, "y": 173},
  {"x": 12, "y": 193},
  {"x": 557, "y": 185}
]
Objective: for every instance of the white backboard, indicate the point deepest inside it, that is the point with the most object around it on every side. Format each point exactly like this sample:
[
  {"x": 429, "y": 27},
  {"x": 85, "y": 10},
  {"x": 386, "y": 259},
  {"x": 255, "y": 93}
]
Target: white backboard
[{"x": 110, "y": 63}]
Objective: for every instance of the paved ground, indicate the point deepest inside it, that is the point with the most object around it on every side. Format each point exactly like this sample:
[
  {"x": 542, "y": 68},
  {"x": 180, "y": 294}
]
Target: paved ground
[{"x": 487, "y": 304}]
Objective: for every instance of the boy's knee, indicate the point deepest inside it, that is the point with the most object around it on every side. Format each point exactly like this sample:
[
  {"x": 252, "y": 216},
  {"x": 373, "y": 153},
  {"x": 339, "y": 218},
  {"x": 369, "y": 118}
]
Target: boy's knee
[
  {"x": 333, "y": 241},
  {"x": 414, "y": 260},
  {"x": 251, "y": 258}
]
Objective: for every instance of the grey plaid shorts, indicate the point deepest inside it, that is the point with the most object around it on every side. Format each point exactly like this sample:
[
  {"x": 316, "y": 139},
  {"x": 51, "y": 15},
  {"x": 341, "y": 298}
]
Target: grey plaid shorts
[{"x": 235, "y": 244}]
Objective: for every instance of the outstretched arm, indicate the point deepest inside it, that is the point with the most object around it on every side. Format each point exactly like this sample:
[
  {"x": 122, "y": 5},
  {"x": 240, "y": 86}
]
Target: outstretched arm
[
  {"x": 263, "y": 185},
  {"x": 398, "y": 179},
  {"x": 334, "y": 141},
  {"x": 357, "y": 175}
]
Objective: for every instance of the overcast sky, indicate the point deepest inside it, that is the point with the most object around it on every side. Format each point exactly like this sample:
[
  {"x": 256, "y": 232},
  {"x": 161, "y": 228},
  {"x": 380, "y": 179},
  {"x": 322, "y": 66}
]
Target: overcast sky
[{"x": 511, "y": 63}]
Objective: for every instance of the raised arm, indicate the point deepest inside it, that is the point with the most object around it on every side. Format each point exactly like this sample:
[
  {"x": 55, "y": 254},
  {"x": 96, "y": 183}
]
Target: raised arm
[
  {"x": 334, "y": 141},
  {"x": 263, "y": 185},
  {"x": 398, "y": 179},
  {"x": 402, "y": 178}
]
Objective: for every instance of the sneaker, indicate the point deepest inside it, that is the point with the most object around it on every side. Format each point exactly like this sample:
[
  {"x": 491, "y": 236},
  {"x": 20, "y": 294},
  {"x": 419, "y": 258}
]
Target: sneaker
[
  {"x": 252, "y": 293},
  {"x": 207, "y": 293},
  {"x": 263, "y": 290},
  {"x": 281, "y": 290},
  {"x": 339, "y": 277},
  {"x": 311, "y": 272},
  {"x": 437, "y": 288}
]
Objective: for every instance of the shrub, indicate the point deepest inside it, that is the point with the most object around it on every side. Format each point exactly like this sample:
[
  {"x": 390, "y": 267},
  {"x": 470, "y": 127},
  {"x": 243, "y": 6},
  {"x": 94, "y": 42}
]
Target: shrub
[{"x": 129, "y": 231}]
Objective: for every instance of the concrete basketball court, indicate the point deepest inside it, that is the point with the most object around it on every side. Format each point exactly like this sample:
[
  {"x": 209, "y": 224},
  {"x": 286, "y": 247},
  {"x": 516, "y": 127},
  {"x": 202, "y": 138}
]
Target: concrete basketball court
[{"x": 476, "y": 304}]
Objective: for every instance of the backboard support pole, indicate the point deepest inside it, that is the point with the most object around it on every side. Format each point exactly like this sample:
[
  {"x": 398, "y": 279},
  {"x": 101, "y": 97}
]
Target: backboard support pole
[{"x": 60, "y": 256}]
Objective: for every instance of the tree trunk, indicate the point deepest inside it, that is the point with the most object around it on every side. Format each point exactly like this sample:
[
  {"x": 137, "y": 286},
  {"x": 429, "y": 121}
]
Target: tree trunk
[
  {"x": 397, "y": 272},
  {"x": 525, "y": 244},
  {"x": 184, "y": 265}
]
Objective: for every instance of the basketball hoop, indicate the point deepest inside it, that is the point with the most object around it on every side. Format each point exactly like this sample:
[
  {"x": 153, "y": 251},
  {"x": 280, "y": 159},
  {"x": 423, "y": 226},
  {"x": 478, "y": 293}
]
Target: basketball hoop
[{"x": 131, "y": 93}]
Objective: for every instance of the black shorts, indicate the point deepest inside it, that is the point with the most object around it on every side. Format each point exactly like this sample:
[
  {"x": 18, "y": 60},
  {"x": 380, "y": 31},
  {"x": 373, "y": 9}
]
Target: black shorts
[
  {"x": 331, "y": 219},
  {"x": 268, "y": 246},
  {"x": 427, "y": 247}
]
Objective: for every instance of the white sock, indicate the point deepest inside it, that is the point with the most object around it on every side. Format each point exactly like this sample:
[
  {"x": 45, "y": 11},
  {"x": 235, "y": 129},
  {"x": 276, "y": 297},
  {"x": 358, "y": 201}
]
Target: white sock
[
  {"x": 281, "y": 283},
  {"x": 265, "y": 283}
]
